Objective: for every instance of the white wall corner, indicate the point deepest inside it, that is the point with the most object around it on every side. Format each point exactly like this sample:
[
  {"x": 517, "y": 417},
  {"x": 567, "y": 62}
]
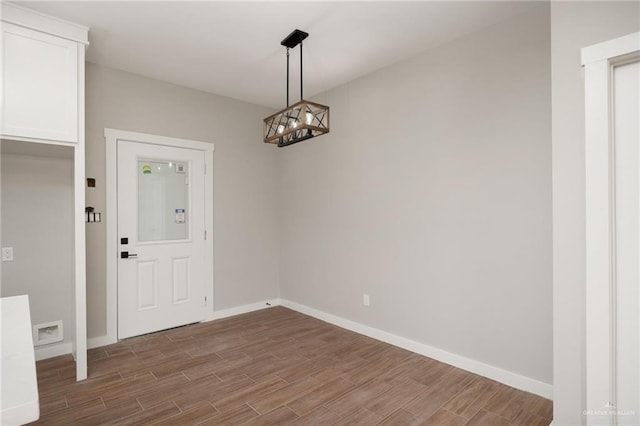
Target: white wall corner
[{"x": 509, "y": 378}]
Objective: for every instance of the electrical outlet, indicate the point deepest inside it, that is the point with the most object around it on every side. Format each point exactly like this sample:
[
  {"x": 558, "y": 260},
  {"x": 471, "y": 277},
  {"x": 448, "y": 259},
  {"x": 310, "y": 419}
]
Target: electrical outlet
[
  {"x": 365, "y": 300},
  {"x": 7, "y": 254}
]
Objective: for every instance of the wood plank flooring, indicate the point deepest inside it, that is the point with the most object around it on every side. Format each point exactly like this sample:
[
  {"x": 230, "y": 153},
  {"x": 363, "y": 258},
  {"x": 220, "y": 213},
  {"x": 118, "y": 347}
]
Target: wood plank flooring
[{"x": 273, "y": 367}]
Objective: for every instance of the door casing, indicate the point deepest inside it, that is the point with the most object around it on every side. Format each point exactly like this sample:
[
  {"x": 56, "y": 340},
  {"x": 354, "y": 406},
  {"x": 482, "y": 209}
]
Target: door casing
[
  {"x": 599, "y": 61},
  {"x": 112, "y": 136}
]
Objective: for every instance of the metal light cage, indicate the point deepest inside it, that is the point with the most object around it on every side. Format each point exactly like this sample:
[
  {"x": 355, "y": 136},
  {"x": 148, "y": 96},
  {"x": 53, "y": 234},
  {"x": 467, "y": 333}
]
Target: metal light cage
[{"x": 299, "y": 122}]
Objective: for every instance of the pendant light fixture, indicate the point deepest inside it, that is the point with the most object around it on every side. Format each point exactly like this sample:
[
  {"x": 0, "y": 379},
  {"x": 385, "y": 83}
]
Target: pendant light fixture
[{"x": 302, "y": 120}]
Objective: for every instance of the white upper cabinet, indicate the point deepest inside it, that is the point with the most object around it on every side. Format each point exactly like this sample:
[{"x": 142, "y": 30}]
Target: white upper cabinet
[
  {"x": 39, "y": 85},
  {"x": 42, "y": 64}
]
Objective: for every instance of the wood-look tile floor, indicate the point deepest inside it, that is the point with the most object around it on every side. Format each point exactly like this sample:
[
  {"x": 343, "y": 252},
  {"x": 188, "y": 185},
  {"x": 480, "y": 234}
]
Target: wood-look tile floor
[{"x": 273, "y": 367}]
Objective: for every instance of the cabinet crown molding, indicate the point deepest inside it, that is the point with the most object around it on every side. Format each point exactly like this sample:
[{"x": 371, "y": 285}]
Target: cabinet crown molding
[{"x": 29, "y": 18}]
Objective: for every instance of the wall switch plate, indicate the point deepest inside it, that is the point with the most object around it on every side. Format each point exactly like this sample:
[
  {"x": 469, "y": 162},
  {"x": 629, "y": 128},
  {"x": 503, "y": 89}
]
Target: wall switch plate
[
  {"x": 365, "y": 300},
  {"x": 7, "y": 254}
]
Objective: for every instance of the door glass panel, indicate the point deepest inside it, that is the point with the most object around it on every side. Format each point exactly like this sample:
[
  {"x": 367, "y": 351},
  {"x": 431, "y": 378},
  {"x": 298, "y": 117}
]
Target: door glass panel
[{"x": 163, "y": 198}]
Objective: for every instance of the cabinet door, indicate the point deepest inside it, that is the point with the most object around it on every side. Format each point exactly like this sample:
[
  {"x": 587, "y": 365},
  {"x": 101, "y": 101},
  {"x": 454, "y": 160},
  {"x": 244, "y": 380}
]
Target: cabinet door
[{"x": 39, "y": 85}]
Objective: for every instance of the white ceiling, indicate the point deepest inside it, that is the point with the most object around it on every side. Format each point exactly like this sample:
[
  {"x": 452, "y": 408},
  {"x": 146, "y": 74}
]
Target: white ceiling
[{"x": 233, "y": 48}]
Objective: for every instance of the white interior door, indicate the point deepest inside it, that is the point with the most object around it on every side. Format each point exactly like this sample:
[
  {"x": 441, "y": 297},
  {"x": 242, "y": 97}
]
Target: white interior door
[
  {"x": 161, "y": 229},
  {"x": 612, "y": 95}
]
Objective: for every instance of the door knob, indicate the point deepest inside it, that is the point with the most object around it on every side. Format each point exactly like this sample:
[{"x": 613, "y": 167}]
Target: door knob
[{"x": 127, "y": 255}]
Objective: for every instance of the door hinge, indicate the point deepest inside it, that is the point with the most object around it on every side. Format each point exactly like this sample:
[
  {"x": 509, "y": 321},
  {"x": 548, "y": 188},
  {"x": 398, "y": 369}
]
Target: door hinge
[
  {"x": 205, "y": 168},
  {"x": 205, "y": 301},
  {"x": 205, "y": 234}
]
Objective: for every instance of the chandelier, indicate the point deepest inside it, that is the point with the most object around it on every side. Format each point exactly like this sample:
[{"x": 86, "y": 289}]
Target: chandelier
[{"x": 302, "y": 120}]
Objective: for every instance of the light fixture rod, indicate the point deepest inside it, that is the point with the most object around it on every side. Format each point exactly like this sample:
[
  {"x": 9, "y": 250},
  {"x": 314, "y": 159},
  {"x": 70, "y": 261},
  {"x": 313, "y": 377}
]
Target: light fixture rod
[
  {"x": 291, "y": 41},
  {"x": 287, "y": 77}
]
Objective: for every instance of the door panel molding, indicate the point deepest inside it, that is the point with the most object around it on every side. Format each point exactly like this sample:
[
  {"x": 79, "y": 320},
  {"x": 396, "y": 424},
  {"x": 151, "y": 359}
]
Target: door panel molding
[
  {"x": 147, "y": 284},
  {"x": 112, "y": 136},
  {"x": 181, "y": 284}
]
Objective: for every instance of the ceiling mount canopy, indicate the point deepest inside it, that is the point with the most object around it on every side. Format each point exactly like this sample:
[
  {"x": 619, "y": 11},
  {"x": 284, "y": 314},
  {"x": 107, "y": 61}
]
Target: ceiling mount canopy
[
  {"x": 302, "y": 120},
  {"x": 294, "y": 39}
]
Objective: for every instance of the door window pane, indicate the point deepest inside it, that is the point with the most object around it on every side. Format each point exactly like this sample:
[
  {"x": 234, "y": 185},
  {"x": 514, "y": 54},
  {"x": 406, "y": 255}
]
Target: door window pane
[{"x": 163, "y": 198}]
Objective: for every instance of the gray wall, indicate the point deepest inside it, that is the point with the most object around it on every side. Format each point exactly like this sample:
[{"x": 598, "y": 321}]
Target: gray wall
[
  {"x": 432, "y": 194},
  {"x": 245, "y": 189},
  {"x": 574, "y": 25},
  {"x": 37, "y": 206}
]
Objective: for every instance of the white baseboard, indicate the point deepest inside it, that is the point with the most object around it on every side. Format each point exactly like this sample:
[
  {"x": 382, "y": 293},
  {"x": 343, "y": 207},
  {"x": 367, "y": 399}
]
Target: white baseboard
[
  {"x": 96, "y": 342},
  {"x": 495, "y": 373},
  {"x": 52, "y": 350},
  {"x": 509, "y": 378},
  {"x": 238, "y": 310}
]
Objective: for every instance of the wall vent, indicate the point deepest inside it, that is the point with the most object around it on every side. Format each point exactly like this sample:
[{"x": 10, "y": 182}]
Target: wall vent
[{"x": 46, "y": 333}]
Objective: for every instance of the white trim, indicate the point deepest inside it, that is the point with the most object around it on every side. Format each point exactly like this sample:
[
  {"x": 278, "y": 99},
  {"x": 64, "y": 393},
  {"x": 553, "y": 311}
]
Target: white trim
[
  {"x": 96, "y": 342},
  {"x": 599, "y": 61},
  {"x": 80, "y": 268},
  {"x": 598, "y": 215},
  {"x": 51, "y": 351},
  {"x": 244, "y": 309},
  {"x": 29, "y": 18},
  {"x": 114, "y": 134},
  {"x": 111, "y": 138},
  {"x": 509, "y": 378},
  {"x": 111, "y": 223},
  {"x": 611, "y": 49},
  {"x": 99, "y": 341}
]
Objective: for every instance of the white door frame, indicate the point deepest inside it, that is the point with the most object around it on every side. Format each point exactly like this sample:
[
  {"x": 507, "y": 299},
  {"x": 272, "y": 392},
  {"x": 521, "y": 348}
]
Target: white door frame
[
  {"x": 112, "y": 136},
  {"x": 598, "y": 61}
]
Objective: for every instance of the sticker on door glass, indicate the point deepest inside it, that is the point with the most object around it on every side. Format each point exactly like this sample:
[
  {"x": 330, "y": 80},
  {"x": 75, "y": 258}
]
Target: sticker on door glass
[
  {"x": 179, "y": 215},
  {"x": 146, "y": 169}
]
